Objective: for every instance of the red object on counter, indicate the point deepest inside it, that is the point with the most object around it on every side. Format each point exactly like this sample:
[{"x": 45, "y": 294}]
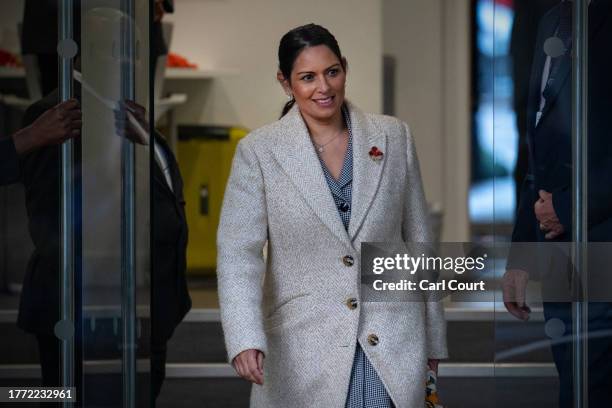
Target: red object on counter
[{"x": 178, "y": 61}]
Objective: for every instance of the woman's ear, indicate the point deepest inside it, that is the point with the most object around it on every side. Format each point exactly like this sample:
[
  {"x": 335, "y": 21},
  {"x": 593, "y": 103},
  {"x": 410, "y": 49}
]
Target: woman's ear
[
  {"x": 283, "y": 82},
  {"x": 345, "y": 64}
]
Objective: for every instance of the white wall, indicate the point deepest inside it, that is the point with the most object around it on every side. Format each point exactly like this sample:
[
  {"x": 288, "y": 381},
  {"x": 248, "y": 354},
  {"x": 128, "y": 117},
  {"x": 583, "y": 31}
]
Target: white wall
[
  {"x": 244, "y": 35},
  {"x": 430, "y": 41}
]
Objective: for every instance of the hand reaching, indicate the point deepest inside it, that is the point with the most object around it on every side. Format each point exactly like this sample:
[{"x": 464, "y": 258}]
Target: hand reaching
[
  {"x": 131, "y": 122},
  {"x": 53, "y": 127}
]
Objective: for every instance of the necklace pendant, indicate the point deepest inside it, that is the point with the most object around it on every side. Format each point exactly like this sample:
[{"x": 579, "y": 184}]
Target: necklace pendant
[{"x": 320, "y": 149}]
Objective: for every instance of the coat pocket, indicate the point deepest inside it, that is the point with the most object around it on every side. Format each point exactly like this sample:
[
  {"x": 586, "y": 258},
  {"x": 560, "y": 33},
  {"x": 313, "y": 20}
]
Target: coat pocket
[{"x": 289, "y": 311}]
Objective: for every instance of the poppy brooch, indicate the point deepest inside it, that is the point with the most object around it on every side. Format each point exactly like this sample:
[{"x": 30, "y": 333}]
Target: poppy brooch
[{"x": 376, "y": 154}]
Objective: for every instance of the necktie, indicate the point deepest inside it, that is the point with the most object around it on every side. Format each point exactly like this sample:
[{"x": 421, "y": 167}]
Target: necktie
[{"x": 564, "y": 33}]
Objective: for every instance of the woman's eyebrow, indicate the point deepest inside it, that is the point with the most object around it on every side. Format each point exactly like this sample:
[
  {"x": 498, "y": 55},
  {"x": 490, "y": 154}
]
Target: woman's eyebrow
[{"x": 312, "y": 72}]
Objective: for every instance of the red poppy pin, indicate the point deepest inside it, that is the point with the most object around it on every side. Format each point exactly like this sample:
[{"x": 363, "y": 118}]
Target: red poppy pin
[{"x": 376, "y": 154}]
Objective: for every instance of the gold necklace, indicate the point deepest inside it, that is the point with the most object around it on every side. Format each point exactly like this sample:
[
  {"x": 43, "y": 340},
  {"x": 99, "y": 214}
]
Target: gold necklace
[{"x": 321, "y": 147}]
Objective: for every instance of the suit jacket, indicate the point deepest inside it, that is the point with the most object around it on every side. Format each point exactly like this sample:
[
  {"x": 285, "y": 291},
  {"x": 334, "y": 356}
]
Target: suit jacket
[
  {"x": 9, "y": 162},
  {"x": 39, "y": 307},
  {"x": 293, "y": 305},
  {"x": 171, "y": 300},
  {"x": 550, "y": 144}
]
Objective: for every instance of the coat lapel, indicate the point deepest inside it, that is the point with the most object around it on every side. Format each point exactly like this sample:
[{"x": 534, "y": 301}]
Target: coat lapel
[
  {"x": 596, "y": 17},
  {"x": 565, "y": 67},
  {"x": 537, "y": 69},
  {"x": 366, "y": 172},
  {"x": 294, "y": 152},
  {"x": 297, "y": 157}
]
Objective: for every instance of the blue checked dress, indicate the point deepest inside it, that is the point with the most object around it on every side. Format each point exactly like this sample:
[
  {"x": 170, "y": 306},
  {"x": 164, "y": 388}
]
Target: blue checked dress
[{"x": 366, "y": 389}]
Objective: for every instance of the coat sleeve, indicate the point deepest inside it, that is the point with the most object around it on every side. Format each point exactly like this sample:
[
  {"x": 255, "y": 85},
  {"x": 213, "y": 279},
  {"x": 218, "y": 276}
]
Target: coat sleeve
[
  {"x": 416, "y": 228},
  {"x": 241, "y": 237}
]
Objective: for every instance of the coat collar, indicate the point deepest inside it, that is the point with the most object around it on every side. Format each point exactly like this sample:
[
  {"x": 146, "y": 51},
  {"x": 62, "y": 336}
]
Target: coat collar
[{"x": 296, "y": 155}]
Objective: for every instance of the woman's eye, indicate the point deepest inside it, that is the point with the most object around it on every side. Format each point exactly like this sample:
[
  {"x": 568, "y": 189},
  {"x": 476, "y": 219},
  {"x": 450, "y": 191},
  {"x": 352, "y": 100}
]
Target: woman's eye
[
  {"x": 307, "y": 77},
  {"x": 333, "y": 72}
]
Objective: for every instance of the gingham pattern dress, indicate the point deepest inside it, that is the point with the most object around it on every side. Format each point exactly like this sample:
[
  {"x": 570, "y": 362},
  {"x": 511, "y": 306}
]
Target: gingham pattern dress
[{"x": 366, "y": 389}]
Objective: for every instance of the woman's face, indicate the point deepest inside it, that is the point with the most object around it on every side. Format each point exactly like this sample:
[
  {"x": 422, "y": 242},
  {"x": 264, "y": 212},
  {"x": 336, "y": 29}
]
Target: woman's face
[{"x": 317, "y": 83}]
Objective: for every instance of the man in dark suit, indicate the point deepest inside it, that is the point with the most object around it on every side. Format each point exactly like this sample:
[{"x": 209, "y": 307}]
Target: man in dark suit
[
  {"x": 56, "y": 125},
  {"x": 527, "y": 15},
  {"x": 545, "y": 208},
  {"x": 39, "y": 307}
]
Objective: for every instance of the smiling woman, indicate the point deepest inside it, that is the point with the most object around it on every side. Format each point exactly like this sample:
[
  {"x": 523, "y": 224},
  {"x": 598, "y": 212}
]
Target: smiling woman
[
  {"x": 312, "y": 71},
  {"x": 306, "y": 55},
  {"x": 314, "y": 185}
]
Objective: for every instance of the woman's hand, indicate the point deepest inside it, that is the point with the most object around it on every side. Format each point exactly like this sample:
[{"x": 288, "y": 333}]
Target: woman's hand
[
  {"x": 433, "y": 365},
  {"x": 249, "y": 365}
]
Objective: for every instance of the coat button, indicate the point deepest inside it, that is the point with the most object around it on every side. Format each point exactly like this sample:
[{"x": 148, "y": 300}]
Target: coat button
[
  {"x": 373, "y": 339},
  {"x": 348, "y": 260},
  {"x": 352, "y": 303},
  {"x": 344, "y": 207}
]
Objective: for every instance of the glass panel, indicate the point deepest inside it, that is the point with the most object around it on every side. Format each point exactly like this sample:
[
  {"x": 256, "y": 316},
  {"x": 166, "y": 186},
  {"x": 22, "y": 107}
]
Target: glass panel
[
  {"x": 31, "y": 242},
  {"x": 563, "y": 156},
  {"x": 596, "y": 169},
  {"x": 525, "y": 373},
  {"x": 30, "y": 214},
  {"x": 116, "y": 282}
]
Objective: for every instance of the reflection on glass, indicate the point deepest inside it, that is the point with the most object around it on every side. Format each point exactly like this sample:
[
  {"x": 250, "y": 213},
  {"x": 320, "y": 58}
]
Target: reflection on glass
[{"x": 107, "y": 71}]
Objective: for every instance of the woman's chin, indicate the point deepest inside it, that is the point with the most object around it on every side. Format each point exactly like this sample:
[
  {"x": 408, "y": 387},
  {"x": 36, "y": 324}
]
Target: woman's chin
[{"x": 325, "y": 112}]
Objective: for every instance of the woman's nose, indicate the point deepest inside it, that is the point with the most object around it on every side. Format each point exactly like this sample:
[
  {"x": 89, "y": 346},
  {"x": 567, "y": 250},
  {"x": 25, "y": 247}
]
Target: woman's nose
[{"x": 323, "y": 84}]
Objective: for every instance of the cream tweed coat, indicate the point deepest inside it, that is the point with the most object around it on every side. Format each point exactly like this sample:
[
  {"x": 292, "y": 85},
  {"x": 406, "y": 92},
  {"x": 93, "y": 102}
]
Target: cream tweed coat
[{"x": 293, "y": 304}]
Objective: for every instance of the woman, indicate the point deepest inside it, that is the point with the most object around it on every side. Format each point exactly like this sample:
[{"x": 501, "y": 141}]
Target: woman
[{"x": 314, "y": 185}]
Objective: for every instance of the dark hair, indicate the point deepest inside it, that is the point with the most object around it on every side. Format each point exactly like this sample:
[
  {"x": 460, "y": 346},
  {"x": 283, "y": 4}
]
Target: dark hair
[{"x": 292, "y": 43}]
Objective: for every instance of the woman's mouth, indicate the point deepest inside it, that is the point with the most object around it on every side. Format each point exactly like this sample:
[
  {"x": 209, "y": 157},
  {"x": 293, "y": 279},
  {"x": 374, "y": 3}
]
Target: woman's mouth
[{"x": 325, "y": 102}]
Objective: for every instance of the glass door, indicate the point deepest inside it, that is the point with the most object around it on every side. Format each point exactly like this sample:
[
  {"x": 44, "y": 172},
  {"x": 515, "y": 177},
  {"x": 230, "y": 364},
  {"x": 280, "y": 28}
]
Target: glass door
[
  {"x": 114, "y": 84},
  {"x": 553, "y": 317},
  {"x": 75, "y": 205}
]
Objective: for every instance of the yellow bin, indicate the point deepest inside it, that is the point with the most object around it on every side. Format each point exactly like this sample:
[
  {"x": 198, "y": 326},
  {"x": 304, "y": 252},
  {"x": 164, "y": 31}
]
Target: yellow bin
[{"x": 205, "y": 156}]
